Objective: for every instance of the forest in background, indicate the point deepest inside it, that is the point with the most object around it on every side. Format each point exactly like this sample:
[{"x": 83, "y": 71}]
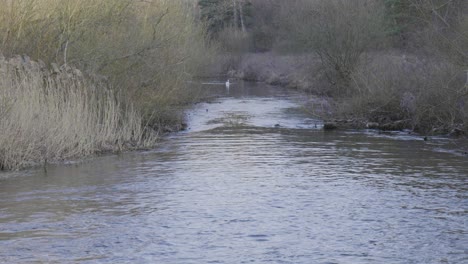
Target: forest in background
[{"x": 392, "y": 63}]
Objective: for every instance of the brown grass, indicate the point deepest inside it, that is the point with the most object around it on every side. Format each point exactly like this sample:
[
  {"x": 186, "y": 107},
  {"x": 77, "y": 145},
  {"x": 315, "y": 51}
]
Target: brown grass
[
  {"x": 146, "y": 49},
  {"x": 140, "y": 55},
  {"x": 51, "y": 116}
]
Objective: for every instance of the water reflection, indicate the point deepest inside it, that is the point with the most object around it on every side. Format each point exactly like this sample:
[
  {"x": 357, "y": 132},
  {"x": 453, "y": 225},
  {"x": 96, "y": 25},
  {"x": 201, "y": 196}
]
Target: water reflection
[{"x": 238, "y": 190}]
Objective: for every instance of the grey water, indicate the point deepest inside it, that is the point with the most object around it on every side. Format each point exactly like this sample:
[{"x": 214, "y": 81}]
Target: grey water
[{"x": 252, "y": 180}]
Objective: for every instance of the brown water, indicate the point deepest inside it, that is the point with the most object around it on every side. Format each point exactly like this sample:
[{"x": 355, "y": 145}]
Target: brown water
[{"x": 236, "y": 189}]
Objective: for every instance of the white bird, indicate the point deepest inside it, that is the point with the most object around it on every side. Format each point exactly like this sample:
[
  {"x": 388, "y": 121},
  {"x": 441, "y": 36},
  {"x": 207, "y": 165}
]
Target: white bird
[{"x": 227, "y": 84}]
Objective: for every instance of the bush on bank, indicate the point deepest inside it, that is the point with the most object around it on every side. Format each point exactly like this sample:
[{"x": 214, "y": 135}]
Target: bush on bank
[
  {"x": 384, "y": 61},
  {"x": 413, "y": 72},
  {"x": 135, "y": 59}
]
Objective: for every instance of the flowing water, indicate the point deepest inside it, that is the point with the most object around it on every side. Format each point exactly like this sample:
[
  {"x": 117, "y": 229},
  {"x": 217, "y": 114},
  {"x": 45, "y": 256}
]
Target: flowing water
[{"x": 253, "y": 180}]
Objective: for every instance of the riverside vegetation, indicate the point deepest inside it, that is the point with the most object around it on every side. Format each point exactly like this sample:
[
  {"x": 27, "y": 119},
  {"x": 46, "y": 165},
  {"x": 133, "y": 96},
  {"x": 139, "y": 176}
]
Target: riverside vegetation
[
  {"x": 390, "y": 64},
  {"x": 93, "y": 75},
  {"x": 79, "y": 77}
]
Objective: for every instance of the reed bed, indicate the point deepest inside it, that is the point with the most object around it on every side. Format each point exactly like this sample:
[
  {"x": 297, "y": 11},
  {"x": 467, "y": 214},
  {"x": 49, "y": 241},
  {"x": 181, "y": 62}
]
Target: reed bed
[
  {"x": 135, "y": 57},
  {"x": 148, "y": 50},
  {"x": 48, "y": 116}
]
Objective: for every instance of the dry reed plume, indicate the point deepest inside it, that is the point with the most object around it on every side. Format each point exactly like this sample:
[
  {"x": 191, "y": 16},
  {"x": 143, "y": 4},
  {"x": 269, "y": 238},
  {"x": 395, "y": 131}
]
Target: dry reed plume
[
  {"x": 51, "y": 116},
  {"x": 145, "y": 50}
]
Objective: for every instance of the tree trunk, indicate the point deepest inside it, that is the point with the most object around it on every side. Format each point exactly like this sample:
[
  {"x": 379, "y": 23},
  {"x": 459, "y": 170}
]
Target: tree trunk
[
  {"x": 466, "y": 83},
  {"x": 241, "y": 17},
  {"x": 234, "y": 7}
]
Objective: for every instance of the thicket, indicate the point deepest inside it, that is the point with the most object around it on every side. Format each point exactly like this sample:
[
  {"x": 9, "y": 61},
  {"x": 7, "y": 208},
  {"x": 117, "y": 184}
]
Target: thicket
[
  {"x": 383, "y": 60},
  {"x": 421, "y": 77},
  {"x": 135, "y": 56},
  {"x": 338, "y": 31}
]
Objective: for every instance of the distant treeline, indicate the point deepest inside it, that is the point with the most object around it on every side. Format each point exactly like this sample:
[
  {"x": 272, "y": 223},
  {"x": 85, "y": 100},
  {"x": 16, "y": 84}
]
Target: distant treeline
[
  {"x": 79, "y": 77},
  {"x": 383, "y": 60}
]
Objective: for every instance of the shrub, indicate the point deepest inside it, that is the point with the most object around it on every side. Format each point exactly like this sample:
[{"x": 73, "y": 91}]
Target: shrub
[
  {"x": 146, "y": 49},
  {"x": 339, "y": 31},
  {"x": 140, "y": 55},
  {"x": 430, "y": 95}
]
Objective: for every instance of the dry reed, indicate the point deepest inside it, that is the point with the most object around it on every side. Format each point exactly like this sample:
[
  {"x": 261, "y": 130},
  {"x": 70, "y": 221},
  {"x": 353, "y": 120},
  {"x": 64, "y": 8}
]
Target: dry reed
[
  {"x": 146, "y": 49},
  {"x": 51, "y": 116}
]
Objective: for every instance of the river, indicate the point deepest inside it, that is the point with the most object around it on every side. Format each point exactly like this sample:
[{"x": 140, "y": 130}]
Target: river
[{"x": 252, "y": 180}]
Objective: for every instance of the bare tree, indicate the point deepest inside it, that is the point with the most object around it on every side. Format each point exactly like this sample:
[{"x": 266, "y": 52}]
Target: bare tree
[
  {"x": 338, "y": 31},
  {"x": 446, "y": 26}
]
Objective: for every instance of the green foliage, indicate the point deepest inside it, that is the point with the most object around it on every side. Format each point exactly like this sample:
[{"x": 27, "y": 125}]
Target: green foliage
[
  {"x": 398, "y": 15},
  {"x": 221, "y": 14},
  {"x": 216, "y": 14}
]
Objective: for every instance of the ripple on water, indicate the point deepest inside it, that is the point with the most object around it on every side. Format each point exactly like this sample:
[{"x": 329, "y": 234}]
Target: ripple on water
[{"x": 237, "y": 189}]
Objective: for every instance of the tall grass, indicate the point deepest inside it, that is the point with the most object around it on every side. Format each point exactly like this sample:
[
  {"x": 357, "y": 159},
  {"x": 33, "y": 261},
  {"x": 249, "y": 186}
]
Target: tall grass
[
  {"x": 50, "y": 116},
  {"x": 146, "y": 49},
  {"x": 138, "y": 56}
]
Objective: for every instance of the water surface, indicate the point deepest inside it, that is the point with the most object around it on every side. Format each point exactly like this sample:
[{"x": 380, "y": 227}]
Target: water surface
[{"x": 253, "y": 180}]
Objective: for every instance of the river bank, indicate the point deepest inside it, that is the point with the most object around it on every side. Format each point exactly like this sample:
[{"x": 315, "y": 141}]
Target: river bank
[
  {"x": 239, "y": 190},
  {"x": 60, "y": 114},
  {"x": 80, "y": 78},
  {"x": 392, "y": 91}
]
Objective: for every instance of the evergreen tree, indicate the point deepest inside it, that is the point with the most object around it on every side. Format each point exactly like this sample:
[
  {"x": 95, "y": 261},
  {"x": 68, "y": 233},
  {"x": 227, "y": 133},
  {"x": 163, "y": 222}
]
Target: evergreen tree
[{"x": 220, "y": 14}]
